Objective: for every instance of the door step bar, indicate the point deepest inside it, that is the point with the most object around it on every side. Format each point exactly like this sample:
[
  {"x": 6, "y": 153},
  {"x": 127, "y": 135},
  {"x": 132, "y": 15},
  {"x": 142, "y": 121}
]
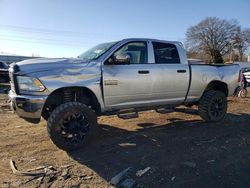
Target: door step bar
[
  {"x": 164, "y": 110},
  {"x": 127, "y": 114},
  {"x": 133, "y": 113}
]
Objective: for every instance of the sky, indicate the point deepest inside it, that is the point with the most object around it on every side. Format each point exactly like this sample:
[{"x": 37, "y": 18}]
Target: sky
[{"x": 63, "y": 28}]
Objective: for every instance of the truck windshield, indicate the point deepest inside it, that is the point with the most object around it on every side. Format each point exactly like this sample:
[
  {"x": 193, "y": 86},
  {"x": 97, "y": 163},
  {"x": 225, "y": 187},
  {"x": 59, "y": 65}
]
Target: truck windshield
[{"x": 96, "y": 51}]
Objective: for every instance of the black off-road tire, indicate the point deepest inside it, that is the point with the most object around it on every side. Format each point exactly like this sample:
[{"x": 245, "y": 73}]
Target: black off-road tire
[
  {"x": 213, "y": 106},
  {"x": 60, "y": 122}
]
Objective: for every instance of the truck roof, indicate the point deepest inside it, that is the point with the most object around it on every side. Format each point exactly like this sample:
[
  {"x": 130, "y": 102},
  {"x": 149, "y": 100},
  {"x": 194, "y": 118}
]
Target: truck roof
[{"x": 151, "y": 39}]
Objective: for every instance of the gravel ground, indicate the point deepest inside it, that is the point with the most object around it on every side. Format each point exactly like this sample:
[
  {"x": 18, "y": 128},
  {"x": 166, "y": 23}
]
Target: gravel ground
[{"x": 180, "y": 149}]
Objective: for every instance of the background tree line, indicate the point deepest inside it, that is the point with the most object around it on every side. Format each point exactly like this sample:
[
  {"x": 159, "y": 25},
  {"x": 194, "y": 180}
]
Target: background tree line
[{"x": 217, "y": 40}]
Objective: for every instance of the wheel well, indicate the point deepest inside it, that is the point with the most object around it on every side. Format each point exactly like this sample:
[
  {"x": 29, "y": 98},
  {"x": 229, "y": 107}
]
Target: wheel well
[
  {"x": 217, "y": 85},
  {"x": 70, "y": 94}
]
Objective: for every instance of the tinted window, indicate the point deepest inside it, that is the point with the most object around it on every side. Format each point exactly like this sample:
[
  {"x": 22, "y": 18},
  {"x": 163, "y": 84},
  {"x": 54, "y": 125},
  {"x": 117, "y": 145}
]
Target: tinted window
[
  {"x": 165, "y": 53},
  {"x": 136, "y": 50}
]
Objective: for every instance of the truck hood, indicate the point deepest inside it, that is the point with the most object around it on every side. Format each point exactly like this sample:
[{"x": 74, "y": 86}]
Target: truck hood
[{"x": 45, "y": 64}]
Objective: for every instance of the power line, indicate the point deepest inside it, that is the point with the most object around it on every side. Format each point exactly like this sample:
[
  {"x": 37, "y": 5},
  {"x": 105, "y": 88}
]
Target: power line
[
  {"x": 72, "y": 34},
  {"x": 46, "y": 39},
  {"x": 37, "y": 42},
  {"x": 57, "y": 32}
]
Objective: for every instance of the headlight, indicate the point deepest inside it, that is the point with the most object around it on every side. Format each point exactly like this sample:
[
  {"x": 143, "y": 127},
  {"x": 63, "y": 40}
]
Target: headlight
[{"x": 26, "y": 83}]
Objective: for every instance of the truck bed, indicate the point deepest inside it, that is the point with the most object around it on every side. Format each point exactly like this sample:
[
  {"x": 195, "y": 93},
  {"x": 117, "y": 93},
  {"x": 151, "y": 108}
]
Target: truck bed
[{"x": 203, "y": 74}]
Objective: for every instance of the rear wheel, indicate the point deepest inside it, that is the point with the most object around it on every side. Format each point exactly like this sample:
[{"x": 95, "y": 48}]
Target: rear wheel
[
  {"x": 71, "y": 125},
  {"x": 213, "y": 106}
]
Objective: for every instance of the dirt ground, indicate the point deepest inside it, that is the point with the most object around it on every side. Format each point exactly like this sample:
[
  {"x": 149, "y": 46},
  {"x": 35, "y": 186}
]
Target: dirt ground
[{"x": 180, "y": 149}]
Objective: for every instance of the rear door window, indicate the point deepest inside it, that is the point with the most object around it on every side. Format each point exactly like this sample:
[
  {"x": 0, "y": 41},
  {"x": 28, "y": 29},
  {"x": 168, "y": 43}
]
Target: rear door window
[{"x": 166, "y": 53}]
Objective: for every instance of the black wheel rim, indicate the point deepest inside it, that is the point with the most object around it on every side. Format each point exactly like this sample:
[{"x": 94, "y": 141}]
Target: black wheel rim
[
  {"x": 74, "y": 128},
  {"x": 217, "y": 107}
]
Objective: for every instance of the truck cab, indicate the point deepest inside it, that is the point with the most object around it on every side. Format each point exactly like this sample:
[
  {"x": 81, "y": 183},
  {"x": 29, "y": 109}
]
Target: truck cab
[{"x": 154, "y": 73}]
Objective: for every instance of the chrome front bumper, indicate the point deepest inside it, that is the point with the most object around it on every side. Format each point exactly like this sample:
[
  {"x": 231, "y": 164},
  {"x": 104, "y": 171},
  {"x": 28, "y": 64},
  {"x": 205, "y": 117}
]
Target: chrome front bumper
[{"x": 26, "y": 106}]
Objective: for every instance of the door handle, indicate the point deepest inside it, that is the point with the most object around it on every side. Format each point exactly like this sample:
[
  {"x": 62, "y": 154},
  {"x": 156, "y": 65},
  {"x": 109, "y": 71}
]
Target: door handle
[
  {"x": 181, "y": 71},
  {"x": 143, "y": 72}
]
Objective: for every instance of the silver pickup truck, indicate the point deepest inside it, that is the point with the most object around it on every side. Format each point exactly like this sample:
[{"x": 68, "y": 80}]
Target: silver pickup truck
[{"x": 120, "y": 78}]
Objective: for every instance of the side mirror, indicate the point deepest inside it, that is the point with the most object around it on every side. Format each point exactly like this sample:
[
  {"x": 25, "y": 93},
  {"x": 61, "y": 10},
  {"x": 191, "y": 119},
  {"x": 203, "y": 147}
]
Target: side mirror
[
  {"x": 110, "y": 61},
  {"x": 119, "y": 59},
  {"x": 122, "y": 59}
]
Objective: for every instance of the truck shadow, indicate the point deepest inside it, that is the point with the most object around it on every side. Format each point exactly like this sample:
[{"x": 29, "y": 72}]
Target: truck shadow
[{"x": 192, "y": 151}]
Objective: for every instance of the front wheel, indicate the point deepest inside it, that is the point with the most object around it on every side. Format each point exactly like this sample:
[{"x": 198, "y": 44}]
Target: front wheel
[
  {"x": 213, "y": 106},
  {"x": 71, "y": 125}
]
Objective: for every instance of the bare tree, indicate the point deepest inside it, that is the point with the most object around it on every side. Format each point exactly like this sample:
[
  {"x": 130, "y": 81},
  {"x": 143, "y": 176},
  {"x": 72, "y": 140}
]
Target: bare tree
[
  {"x": 212, "y": 36},
  {"x": 242, "y": 42}
]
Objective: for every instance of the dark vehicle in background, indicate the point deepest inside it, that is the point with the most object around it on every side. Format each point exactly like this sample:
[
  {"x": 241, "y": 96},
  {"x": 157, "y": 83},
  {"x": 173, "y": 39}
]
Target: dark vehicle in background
[{"x": 4, "y": 73}]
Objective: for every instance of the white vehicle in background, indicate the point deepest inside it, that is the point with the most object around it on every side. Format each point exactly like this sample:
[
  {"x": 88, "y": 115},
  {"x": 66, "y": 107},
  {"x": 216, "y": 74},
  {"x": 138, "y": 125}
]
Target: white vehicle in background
[
  {"x": 246, "y": 72},
  {"x": 245, "y": 67}
]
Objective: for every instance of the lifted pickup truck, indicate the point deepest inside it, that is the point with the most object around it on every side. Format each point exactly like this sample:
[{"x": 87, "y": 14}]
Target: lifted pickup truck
[{"x": 120, "y": 78}]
